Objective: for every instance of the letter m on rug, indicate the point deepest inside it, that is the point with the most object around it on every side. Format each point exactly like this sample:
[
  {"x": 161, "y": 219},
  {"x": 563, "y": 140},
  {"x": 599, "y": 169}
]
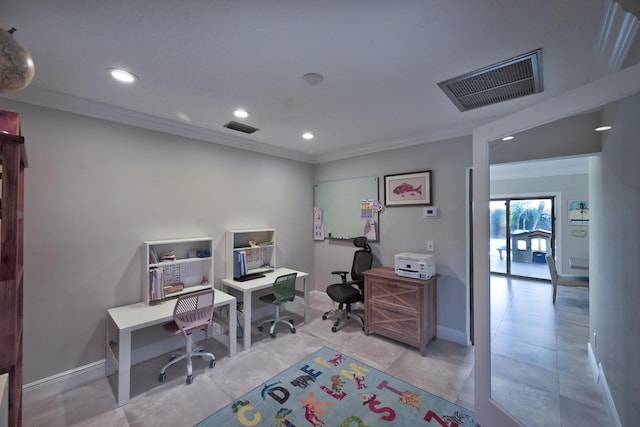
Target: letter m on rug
[{"x": 356, "y": 370}]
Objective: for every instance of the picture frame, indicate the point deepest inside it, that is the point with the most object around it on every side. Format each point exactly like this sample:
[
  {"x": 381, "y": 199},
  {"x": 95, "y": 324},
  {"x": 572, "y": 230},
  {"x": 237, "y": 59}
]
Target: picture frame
[
  {"x": 578, "y": 212},
  {"x": 408, "y": 189}
]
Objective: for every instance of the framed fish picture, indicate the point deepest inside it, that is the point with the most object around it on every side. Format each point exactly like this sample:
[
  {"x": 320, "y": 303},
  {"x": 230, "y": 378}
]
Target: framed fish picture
[{"x": 408, "y": 189}]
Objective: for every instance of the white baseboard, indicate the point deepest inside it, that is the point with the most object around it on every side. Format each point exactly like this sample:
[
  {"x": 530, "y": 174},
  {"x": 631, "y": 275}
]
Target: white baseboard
[
  {"x": 599, "y": 377},
  {"x": 593, "y": 363},
  {"x": 319, "y": 296},
  {"x": 63, "y": 381},
  {"x": 609, "y": 398},
  {"x": 452, "y": 335}
]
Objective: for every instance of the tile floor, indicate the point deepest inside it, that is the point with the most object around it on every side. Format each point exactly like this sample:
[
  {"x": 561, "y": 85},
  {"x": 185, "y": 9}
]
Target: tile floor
[
  {"x": 540, "y": 363},
  {"x": 540, "y": 367}
]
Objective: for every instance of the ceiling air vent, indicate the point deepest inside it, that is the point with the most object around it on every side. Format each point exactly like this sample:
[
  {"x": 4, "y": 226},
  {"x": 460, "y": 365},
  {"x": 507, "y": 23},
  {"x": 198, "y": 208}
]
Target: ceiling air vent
[
  {"x": 516, "y": 77},
  {"x": 240, "y": 127}
]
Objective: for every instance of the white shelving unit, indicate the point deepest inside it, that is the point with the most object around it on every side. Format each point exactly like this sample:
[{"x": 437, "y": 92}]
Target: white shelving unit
[
  {"x": 192, "y": 267},
  {"x": 259, "y": 245}
]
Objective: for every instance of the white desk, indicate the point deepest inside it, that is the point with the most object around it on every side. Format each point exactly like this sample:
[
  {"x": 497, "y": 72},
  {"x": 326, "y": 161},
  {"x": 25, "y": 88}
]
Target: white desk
[
  {"x": 579, "y": 263},
  {"x": 136, "y": 316},
  {"x": 250, "y": 286}
]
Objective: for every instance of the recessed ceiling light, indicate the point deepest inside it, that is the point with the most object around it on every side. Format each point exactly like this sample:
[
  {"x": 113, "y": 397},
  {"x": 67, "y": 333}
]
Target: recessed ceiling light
[
  {"x": 602, "y": 128},
  {"x": 308, "y": 135},
  {"x": 240, "y": 113},
  {"x": 122, "y": 75},
  {"x": 508, "y": 138},
  {"x": 183, "y": 116}
]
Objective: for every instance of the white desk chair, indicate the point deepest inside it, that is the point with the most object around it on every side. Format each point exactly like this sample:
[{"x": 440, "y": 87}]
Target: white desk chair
[
  {"x": 192, "y": 312},
  {"x": 564, "y": 279}
]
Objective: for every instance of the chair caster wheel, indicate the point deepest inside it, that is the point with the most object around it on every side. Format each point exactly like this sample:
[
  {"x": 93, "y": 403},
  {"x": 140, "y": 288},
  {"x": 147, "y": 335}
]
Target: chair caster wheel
[
  {"x": 273, "y": 335},
  {"x": 260, "y": 328},
  {"x": 189, "y": 379},
  {"x": 291, "y": 321},
  {"x": 212, "y": 363},
  {"x": 173, "y": 356},
  {"x": 324, "y": 317},
  {"x": 334, "y": 329},
  {"x": 162, "y": 377},
  {"x": 293, "y": 330}
]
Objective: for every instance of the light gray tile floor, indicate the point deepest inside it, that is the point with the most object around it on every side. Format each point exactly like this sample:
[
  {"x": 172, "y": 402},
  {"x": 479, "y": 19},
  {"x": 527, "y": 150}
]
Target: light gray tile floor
[
  {"x": 539, "y": 393},
  {"x": 540, "y": 367}
]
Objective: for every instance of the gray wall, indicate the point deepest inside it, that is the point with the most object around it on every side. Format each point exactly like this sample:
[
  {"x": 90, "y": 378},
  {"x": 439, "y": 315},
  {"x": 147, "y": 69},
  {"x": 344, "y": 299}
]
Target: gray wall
[
  {"x": 94, "y": 190},
  {"x": 614, "y": 270},
  {"x": 403, "y": 229},
  {"x": 565, "y": 188}
]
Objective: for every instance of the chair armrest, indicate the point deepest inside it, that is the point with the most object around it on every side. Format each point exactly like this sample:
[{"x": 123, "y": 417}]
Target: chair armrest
[{"x": 353, "y": 283}]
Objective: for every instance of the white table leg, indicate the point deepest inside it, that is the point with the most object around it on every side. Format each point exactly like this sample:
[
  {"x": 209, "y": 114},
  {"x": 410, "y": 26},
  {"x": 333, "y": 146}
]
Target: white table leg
[
  {"x": 110, "y": 365},
  {"x": 233, "y": 328},
  {"x": 306, "y": 300},
  {"x": 246, "y": 296},
  {"x": 124, "y": 366}
]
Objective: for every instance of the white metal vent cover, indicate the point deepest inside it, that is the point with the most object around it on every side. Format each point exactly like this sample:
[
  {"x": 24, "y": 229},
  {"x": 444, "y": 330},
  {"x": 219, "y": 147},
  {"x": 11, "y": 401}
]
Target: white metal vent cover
[{"x": 510, "y": 79}]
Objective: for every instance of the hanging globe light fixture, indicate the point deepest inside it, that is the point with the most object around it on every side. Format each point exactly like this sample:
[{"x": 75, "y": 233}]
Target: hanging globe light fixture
[{"x": 16, "y": 64}]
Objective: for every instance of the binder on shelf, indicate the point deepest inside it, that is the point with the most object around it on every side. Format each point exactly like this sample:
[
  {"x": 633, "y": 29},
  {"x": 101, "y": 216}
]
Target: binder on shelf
[
  {"x": 156, "y": 287},
  {"x": 239, "y": 264}
]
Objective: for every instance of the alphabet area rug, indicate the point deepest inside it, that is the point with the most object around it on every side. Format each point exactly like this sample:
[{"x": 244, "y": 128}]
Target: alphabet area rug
[{"x": 331, "y": 389}]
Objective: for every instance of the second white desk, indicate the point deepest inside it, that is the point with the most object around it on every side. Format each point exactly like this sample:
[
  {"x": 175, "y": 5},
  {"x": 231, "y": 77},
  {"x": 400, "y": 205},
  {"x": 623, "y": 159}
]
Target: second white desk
[{"x": 250, "y": 286}]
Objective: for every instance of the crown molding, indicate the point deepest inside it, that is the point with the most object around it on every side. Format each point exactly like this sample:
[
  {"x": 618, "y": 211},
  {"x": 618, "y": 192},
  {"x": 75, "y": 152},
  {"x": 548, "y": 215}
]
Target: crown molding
[
  {"x": 617, "y": 34},
  {"x": 72, "y": 104},
  {"x": 540, "y": 168},
  {"x": 82, "y": 106},
  {"x": 425, "y": 138}
]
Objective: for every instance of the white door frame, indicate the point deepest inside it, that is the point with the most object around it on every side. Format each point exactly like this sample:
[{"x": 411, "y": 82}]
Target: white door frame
[{"x": 610, "y": 88}]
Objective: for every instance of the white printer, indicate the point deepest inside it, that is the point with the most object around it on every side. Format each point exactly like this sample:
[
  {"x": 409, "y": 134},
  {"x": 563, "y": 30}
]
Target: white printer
[{"x": 416, "y": 266}]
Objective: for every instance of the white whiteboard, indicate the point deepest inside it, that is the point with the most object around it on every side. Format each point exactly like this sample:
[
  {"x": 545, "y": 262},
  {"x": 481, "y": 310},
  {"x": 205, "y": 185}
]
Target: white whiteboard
[{"x": 340, "y": 202}]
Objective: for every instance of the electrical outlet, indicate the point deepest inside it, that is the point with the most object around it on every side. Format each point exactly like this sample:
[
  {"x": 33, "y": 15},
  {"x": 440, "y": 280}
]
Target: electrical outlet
[
  {"x": 431, "y": 212},
  {"x": 430, "y": 246}
]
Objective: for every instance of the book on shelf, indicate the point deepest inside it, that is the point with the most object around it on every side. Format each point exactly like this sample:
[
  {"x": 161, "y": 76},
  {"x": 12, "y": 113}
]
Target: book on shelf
[
  {"x": 168, "y": 256},
  {"x": 153, "y": 257},
  {"x": 156, "y": 286},
  {"x": 171, "y": 289}
]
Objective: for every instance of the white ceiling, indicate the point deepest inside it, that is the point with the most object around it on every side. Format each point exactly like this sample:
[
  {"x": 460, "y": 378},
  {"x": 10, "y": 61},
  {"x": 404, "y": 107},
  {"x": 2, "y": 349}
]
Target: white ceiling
[{"x": 381, "y": 62}]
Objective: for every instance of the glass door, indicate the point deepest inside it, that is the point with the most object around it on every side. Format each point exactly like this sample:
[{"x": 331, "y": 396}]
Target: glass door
[{"x": 518, "y": 246}]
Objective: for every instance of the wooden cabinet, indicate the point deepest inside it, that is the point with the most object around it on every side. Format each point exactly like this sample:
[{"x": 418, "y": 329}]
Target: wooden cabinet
[
  {"x": 258, "y": 246},
  {"x": 13, "y": 160},
  {"x": 400, "y": 308},
  {"x": 175, "y": 267}
]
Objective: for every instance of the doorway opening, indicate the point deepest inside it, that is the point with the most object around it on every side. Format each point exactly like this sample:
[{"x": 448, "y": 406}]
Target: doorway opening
[{"x": 522, "y": 233}]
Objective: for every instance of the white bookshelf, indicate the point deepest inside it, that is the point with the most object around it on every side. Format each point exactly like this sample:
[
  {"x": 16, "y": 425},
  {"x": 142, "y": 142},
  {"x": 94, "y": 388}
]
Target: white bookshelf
[
  {"x": 192, "y": 267},
  {"x": 259, "y": 245}
]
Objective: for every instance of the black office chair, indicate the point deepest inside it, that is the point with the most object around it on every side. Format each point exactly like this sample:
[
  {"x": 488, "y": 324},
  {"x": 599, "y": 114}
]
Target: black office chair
[{"x": 349, "y": 292}]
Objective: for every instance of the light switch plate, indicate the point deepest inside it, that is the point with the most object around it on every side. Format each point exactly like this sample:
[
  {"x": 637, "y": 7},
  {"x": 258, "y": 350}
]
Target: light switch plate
[{"x": 431, "y": 246}]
